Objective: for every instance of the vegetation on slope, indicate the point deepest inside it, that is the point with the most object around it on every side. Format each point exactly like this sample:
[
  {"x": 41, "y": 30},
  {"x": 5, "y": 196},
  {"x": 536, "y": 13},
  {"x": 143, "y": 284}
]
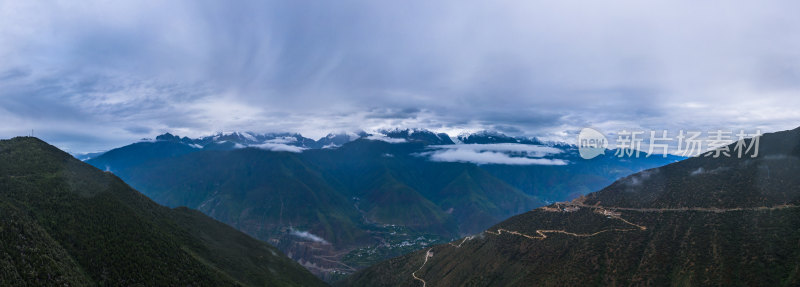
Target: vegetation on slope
[{"x": 67, "y": 222}]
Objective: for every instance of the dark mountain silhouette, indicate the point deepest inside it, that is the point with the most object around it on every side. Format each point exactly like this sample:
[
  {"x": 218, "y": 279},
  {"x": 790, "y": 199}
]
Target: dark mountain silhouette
[{"x": 64, "y": 222}]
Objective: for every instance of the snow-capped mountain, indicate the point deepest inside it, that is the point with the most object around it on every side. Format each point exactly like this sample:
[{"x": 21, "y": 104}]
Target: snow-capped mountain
[
  {"x": 334, "y": 140},
  {"x": 233, "y": 140},
  {"x": 242, "y": 139},
  {"x": 419, "y": 135},
  {"x": 494, "y": 137}
]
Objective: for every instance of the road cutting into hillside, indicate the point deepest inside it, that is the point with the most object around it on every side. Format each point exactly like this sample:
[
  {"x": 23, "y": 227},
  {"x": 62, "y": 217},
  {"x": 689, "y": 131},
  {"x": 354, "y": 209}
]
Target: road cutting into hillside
[
  {"x": 462, "y": 242},
  {"x": 541, "y": 234},
  {"x": 684, "y": 209},
  {"x": 428, "y": 255}
]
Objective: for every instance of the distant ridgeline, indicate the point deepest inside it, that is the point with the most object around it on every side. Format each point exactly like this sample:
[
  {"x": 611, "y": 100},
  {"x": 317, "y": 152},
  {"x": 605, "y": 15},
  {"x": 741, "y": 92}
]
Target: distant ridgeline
[{"x": 347, "y": 201}]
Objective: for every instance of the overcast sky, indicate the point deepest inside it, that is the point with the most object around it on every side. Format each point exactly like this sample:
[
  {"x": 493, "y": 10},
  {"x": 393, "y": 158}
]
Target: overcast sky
[{"x": 89, "y": 76}]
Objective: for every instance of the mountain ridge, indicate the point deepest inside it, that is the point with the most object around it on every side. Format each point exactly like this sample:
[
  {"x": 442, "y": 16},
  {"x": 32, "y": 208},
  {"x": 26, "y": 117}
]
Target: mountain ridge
[
  {"x": 622, "y": 236},
  {"x": 331, "y": 140},
  {"x": 88, "y": 227}
]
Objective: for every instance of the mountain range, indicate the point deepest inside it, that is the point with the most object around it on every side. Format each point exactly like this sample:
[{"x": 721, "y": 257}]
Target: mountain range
[
  {"x": 347, "y": 201},
  {"x": 703, "y": 221},
  {"x": 64, "y": 222}
]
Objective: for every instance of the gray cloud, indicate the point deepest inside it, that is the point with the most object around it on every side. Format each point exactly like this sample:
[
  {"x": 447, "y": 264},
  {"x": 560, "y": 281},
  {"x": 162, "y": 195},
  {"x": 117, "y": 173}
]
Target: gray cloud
[
  {"x": 95, "y": 74},
  {"x": 139, "y": 130}
]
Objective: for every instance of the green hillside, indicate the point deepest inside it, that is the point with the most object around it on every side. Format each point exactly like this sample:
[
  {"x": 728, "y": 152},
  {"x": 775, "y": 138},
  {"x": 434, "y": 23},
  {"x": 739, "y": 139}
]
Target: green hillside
[{"x": 66, "y": 223}]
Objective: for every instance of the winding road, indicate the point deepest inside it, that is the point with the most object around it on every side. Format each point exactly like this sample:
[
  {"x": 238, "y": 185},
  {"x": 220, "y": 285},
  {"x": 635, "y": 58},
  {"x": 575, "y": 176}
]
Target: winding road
[
  {"x": 541, "y": 234},
  {"x": 428, "y": 255}
]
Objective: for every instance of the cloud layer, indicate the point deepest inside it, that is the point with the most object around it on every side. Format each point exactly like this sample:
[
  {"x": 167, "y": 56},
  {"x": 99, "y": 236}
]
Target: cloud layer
[
  {"x": 528, "y": 150},
  {"x": 279, "y": 147},
  {"x": 384, "y": 138},
  {"x": 504, "y": 153},
  {"x": 96, "y": 74}
]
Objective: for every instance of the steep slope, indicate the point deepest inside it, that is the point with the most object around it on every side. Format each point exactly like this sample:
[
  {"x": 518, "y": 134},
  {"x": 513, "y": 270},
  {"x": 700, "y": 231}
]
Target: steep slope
[
  {"x": 702, "y": 221},
  {"x": 560, "y": 183},
  {"x": 253, "y": 190},
  {"x": 139, "y": 153},
  {"x": 769, "y": 179},
  {"x": 28, "y": 254},
  {"x": 360, "y": 166},
  {"x": 65, "y": 222},
  {"x": 390, "y": 201},
  {"x": 478, "y": 200}
]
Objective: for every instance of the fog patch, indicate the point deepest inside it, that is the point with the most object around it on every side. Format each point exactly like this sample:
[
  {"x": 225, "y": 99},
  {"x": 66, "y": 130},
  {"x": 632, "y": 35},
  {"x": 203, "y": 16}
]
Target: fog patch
[
  {"x": 502, "y": 153},
  {"x": 639, "y": 178},
  {"x": 282, "y": 140},
  {"x": 330, "y": 146},
  {"x": 308, "y": 236},
  {"x": 701, "y": 170},
  {"x": 279, "y": 147},
  {"x": 381, "y": 137},
  {"x": 527, "y": 150},
  {"x": 488, "y": 157}
]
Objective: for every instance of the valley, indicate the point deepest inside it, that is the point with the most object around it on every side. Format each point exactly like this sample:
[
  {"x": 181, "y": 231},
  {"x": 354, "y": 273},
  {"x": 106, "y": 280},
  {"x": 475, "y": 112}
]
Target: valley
[{"x": 340, "y": 209}]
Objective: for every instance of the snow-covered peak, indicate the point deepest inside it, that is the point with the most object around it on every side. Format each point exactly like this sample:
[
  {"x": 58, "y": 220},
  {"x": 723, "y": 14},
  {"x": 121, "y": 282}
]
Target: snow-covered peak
[
  {"x": 418, "y": 135},
  {"x": 236, "y": 139},
  {"x": 334, "y": 140}
]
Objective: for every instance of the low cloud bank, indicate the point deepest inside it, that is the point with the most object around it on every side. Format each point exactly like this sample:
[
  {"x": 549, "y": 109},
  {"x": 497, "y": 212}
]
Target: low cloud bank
[
  {"x": 514, "y": 148},
  {"x": 282, "y": 140},
  {"x": 506, "y": 153},
  {"x": 380, "y": 137},
  {"x": 279, "y": 147}
]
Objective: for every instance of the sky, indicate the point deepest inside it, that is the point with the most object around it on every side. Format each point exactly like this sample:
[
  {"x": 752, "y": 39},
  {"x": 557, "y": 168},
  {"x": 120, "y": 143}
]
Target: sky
[{"x": 92, "y": 75}]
